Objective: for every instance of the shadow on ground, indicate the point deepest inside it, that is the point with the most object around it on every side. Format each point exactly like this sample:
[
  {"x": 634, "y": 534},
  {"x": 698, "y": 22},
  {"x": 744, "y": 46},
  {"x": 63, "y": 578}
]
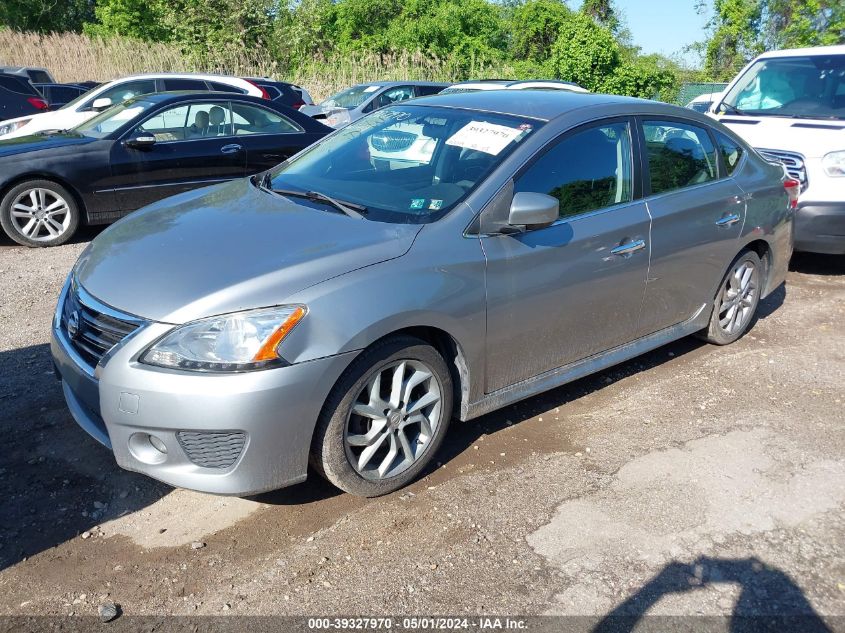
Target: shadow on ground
[
  {"x": 55, "y": 481},
  {"x": 769, "y": 599}
]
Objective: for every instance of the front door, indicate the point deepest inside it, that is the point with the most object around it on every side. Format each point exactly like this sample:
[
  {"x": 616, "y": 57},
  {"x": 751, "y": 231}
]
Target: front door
[
  {"x": 195, "y": 146},
  {"x": 697, "y": 219},
  {"x": 573, "y": 289}
]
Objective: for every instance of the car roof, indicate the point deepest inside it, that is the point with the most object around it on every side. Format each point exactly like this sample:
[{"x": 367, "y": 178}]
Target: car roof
[
  {"x": 814, "y": 52},
  {"x": 387, "y": 84},
  {"x": 544, "y": 105},
  {"x": 176, "y": 96}
]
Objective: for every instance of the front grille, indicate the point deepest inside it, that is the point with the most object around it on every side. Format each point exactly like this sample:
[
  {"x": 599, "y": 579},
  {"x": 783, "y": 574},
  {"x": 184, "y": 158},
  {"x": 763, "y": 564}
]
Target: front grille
[
  {"x": 793, "y": 162},
  {"x": 210, "y": 449},
  {"x": 93, "y": 328}
]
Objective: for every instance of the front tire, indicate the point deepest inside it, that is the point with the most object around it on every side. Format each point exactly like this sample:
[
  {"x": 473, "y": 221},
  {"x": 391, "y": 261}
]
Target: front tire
[
  {"x": 736, "y": 301},
  {"x": 385, "y": 418},
  {"x": 39, "y": 213}
]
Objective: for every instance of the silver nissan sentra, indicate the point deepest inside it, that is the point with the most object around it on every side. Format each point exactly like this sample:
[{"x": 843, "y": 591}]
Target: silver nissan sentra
[{"x": 436, "y": 259}]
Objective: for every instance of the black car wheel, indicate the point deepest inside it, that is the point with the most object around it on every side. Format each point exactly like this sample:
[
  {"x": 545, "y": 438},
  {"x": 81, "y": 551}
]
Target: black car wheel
[{"x": 39, "y": 213}]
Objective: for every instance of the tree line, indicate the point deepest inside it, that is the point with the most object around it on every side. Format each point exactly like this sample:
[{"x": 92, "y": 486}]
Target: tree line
[{"x": 589, "y": 45}]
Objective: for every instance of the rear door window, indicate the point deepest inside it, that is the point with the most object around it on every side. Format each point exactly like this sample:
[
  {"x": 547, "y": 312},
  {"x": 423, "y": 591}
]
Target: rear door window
[
  {"x": 589, "y": 170},
  {"x": 249, "y": 119},
  {"x": 221, "y": 87},
  {"x": 731, "y": 152},
  {"x": 184, "y": 84},
  {"x": 679, "y": 155}
]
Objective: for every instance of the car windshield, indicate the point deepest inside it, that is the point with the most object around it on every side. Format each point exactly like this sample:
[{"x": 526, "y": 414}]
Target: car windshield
[
  {"x": 801, "y": 87},
  {"x": 405, "y": 164},
  {"x": 350, "y": 98},
  {"x": 115, "y": 117}
]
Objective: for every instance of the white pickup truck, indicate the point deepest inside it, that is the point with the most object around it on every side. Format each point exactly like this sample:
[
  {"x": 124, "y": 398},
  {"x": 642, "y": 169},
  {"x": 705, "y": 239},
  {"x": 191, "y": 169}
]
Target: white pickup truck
[{"x": 790, "y": 106}]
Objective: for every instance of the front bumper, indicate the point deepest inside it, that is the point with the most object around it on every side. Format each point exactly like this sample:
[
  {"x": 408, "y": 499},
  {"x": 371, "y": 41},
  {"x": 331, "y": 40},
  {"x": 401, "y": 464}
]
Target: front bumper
[
  {"x": 820, "y": 227},
  {"x": 122, "y": 402}
]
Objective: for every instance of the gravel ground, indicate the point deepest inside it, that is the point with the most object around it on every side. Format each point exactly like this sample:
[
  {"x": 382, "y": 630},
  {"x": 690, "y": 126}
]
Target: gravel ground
[{"x": 692, "y": 480}]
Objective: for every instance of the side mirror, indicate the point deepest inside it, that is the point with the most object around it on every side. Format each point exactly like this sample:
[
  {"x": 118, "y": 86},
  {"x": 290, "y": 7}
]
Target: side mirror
[
  {"x": 533, "y": 210},
  {"x": 144, "y": 141},
  {"x": 101, "y": 104}
]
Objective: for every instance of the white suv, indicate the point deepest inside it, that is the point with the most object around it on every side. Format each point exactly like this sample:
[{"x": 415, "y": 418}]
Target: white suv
[
  {"x": 790, "y": 106},
  {"x": 89, "y": 104}
]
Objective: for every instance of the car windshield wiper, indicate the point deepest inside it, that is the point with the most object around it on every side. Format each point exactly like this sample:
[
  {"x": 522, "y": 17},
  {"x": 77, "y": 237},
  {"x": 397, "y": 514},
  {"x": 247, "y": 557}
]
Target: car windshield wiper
[
  {"x": 732, "y": 109},
  {"x": 351, "y": 209}
]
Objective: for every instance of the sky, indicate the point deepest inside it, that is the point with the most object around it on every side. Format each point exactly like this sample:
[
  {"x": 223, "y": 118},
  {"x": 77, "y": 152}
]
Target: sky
[{"x": 662, "y": 26}]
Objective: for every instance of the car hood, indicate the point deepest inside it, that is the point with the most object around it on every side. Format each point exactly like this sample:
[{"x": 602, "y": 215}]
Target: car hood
[
  {"x": 36, "y": 142},
  {"x": 61, "y": 119},
  {"x": 813, "y": 138},
  {"x": 225, "y": 248}
]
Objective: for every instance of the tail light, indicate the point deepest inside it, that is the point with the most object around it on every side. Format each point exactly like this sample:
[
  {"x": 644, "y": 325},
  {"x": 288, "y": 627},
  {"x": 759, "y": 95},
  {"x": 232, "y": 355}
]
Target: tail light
[
  {"x": 793, "y": 190},
  {"x": 264, "y": 93},
  {"x": 296, "y": 105},
  {"x": 35, "y": 102}
]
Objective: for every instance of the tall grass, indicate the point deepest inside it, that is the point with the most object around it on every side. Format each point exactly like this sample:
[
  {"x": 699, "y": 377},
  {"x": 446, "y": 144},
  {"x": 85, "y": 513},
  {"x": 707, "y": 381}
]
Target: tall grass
[{"x": 74, "y": 57}]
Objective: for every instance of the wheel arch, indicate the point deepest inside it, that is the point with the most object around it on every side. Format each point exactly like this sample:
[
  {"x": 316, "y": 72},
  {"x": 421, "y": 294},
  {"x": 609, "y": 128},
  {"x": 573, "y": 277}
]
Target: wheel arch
[{"x": 764, "y": 252}]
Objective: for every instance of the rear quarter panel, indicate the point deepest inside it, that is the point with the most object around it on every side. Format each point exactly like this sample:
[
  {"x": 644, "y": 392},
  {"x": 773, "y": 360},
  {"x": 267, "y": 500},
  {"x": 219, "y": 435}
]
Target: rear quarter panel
[{"x": 768, "y": 216}]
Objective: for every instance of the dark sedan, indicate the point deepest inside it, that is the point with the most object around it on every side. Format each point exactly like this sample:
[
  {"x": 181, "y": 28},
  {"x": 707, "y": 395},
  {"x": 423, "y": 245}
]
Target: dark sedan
[{"x": 135, "y": 153}]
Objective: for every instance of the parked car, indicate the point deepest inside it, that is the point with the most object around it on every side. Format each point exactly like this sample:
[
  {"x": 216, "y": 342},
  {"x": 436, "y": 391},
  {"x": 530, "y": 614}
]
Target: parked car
[
  {"x": 59, "y": 95},
  {"x": 18, "y": 97},
  {"x": 34, "y": 74},
  {"x": 291, "y": 95},
  {"x": 345, "y": 313},
  {"x": 135, "y": 153},
  {"x": 353, "y": 103},
  {"x": 507, "y": 84},
  {"x": 790, "y": 106},
  {"x": 89, "y": 104},
  {"x": 703, "y": 102}
]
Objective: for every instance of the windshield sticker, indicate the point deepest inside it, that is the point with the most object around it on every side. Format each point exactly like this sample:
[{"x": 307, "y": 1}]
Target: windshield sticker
[
  {"x": 370, "y": 88},
  {"x": 435, "y": 205},
  {"x": 417, "y": 203},
  {"x": 484, "y": 137}
]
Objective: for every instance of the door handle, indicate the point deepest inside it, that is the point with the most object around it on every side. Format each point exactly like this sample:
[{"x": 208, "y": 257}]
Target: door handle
[
  {"x": 628, "y": 247},
  {"x": 231, "y": 149},
  {"x": 728, "y": 220}
]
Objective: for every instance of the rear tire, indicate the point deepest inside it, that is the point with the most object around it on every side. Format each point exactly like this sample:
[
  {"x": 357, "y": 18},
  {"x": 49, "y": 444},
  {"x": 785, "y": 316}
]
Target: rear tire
[
  {"x": 39, "y": 213},
  {"x": 736, "y": 301},
  {"x": 385, "y": 418}
]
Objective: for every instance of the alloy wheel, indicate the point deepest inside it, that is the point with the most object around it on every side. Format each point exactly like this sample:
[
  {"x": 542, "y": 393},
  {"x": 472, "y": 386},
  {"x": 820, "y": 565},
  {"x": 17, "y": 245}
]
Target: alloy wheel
[
  {"x": 393, "y": 420},
  {"x": 738, "y": 297},
  {"x": 40, "y": 214}
]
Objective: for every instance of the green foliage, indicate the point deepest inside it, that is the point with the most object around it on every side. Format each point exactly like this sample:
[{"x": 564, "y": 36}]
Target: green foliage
[
  {"x": 534, "y": 28},
  {"x": 45, "y": 16},
  {"x": 647, "y": 77},
  {"x": 604, "y": 14},
  {"x": 741, "y": 29},
  {"x": 139, "y": 19},
  {"x": 584, "y": 52}
]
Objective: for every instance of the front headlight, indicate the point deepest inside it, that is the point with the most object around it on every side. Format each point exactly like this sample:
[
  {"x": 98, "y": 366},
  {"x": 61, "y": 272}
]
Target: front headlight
[
  {"x": 13, "y": 126},
  {"x": 239, "y": 341},
  {"x": 834, "y": 164}
]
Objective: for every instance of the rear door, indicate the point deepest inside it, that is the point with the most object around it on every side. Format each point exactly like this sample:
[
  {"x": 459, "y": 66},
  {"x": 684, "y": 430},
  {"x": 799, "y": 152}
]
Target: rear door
[
  {"x": 195, "y": 146},
  {"x": 561, "y": 293},
  {"x": 697, "y": 217}
]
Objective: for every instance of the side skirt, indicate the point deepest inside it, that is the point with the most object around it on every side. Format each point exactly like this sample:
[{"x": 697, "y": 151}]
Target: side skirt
[{"x": 584, "y": 367}]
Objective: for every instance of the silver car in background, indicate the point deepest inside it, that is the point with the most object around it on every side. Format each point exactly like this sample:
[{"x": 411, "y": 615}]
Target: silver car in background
[
  {"x": 353, "y": 103},
  {"x": 341, "y": 312}
]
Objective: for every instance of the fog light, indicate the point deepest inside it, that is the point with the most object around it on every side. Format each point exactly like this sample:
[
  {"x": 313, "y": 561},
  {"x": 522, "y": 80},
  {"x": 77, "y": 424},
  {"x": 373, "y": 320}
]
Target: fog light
[
  {"x": 147, "y": 448},
  {"x": 158, "y": 444}
]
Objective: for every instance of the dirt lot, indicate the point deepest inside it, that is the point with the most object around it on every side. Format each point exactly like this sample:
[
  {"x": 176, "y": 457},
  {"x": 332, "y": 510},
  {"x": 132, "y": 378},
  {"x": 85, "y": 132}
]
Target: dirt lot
[{"x": 693, "y": 480}]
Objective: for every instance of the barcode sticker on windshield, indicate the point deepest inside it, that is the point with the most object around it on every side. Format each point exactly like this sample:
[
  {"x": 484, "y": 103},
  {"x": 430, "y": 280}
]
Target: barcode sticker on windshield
[
  {"x": 370, "y": 88},
  {"x": 484, "y": 137}
]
